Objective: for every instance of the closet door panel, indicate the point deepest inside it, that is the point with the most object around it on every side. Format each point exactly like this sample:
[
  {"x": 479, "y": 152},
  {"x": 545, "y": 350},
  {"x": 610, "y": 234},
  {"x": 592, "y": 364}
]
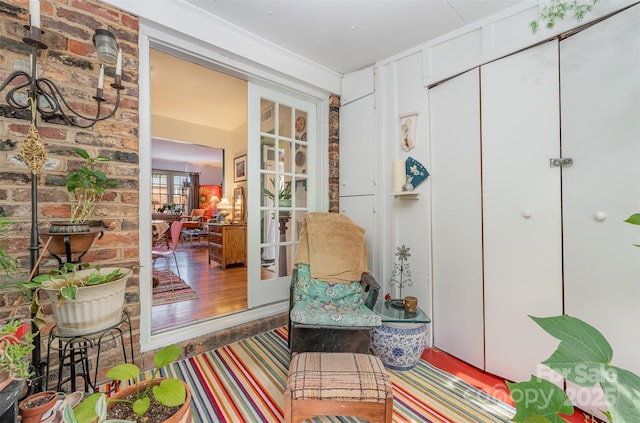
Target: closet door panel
[
  {"x": 457, "y": 218},
  {"x": 521, "y": 208},
  {"x": 600, "y": 81}
]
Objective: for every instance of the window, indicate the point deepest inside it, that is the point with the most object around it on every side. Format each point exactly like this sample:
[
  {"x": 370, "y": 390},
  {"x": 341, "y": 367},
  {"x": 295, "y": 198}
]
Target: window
[{"x": 170, "y": 191}]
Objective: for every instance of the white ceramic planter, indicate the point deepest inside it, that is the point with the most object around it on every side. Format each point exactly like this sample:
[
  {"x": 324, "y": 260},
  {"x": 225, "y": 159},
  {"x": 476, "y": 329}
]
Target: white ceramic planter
[{"x": 95, "y": 308}]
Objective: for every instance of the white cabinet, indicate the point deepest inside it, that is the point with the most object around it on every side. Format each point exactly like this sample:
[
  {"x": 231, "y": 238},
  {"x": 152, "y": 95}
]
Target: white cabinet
[
  {"x": 521, "y": 208},
  {"x": 600, "y": 77},
  {"x": 357, "y": 155},
  {"x": 553, "y": 238},
  {"x": 456, "y": 209}
]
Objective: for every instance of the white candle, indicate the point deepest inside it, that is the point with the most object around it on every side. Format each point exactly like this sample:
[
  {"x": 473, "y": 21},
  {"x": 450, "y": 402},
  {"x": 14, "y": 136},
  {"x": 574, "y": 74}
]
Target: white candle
[
  {"x": 119, "y": 63},
  {"x": 31, "y": 64},
  {"x": 101, "y": 77},
  {"x": 398, "y": 174},
  {"x": 34, "y": 11}
]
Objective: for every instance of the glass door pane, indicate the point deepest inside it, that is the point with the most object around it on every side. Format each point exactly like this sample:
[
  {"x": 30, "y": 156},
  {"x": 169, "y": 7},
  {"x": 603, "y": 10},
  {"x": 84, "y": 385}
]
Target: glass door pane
[{"x": 283, "y": 140}]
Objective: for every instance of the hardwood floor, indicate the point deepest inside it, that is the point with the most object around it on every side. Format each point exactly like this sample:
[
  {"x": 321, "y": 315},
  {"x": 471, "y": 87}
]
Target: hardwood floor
[{"x": 221, "y": 292}]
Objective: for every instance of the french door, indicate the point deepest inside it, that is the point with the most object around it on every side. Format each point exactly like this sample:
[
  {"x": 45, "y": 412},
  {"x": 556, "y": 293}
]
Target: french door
[{"x": 281, "y": 176}]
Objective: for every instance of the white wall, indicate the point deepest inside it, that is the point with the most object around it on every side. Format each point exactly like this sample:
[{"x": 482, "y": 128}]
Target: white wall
[{"x": 400, "y": 91}]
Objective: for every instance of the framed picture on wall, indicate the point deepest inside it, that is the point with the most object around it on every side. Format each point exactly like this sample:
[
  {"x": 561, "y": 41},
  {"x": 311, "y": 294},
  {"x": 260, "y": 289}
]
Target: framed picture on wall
[{"x": 240, "y": 168}]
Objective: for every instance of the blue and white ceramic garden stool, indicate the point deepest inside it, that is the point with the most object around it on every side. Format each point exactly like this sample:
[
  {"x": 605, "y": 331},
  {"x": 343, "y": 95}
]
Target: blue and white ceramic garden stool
[{"x": 402, "y": 337}]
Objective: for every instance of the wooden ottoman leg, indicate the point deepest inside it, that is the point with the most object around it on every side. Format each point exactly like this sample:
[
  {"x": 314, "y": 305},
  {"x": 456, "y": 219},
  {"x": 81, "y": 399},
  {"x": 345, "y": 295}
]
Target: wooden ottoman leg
[{"x": 287, "y": 406}]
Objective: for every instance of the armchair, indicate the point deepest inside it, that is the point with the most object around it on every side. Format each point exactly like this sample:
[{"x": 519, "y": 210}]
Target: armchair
[
  {"x": 331, "y": 317},
  {"x": 332, "y": 293},
  {"x": 197, "y": 220}
]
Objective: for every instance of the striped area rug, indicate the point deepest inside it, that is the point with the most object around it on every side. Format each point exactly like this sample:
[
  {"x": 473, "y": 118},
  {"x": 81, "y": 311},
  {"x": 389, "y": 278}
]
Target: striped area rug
[{"x": 245, "y": 381}]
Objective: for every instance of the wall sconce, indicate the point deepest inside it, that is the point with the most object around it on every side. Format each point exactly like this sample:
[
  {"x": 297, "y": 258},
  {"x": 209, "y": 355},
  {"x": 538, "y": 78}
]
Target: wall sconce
[{"x": 28, "y": 91}]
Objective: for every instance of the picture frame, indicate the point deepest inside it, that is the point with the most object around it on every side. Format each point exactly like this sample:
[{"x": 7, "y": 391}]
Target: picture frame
[
  {"x": 238, "y": 204},
  {"x": 240, "y": 168}
]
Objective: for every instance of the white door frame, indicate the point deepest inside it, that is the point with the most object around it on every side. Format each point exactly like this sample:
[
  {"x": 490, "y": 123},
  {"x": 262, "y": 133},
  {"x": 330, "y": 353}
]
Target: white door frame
[{"x": 152, "y": 36}]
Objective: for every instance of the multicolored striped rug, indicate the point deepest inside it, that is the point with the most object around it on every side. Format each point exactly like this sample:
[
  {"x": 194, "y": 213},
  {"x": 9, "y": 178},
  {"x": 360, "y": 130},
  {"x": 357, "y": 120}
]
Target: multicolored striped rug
[{"x": 245, "y": 381}]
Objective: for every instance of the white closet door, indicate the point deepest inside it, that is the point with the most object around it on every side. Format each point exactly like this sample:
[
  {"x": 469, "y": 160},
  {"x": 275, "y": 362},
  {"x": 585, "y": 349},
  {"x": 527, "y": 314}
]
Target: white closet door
[
  {"x": 521, "y": 208},
  {"x": 457, "y": 218},
  {"x": 601, "y": 131}
]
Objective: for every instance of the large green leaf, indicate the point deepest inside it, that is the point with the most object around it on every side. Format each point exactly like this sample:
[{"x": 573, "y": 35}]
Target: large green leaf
[
  {"x": 167, "y": 355},
  {"x": 634, "y": 219},
  {"x": 538, "y": 401},
  {"x": 170, "y": 392},
  {"x": 622, "y": 394},
  {"x": 582, "y": 352},
  {"x": 141, "y": 405},
  {"x": 123, "y": 372},
  {"x": 85, "y": 412}
]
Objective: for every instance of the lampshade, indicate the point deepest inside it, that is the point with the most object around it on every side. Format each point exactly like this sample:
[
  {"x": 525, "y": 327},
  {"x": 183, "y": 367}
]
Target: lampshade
[
  {"x": 215, "y": 199},
  {"x": 224, "y": 204},
  {"x": 106, "y": 46},
  {"x": 225, "y": 208}
]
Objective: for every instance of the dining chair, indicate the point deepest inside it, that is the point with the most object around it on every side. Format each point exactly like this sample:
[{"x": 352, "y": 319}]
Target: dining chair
[{"x": 157, "y": 251}]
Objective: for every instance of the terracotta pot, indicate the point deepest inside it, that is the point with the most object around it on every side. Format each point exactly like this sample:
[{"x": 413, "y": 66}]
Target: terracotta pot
[
  {"x": 183, "y": 415},
  {"x": 31, "y": 414},
  {"x": 75, "y": 242}
]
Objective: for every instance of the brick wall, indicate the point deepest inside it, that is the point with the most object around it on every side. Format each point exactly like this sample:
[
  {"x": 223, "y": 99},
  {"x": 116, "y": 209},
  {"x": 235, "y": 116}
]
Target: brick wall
[
  {"x": 71, "y": 62},
  {"x": 334, "y": 154}
]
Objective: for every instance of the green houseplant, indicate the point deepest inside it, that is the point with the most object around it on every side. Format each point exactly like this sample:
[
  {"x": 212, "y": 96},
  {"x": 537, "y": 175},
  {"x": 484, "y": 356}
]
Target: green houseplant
[
  {"x": 283, "y": 194},
  {"x": 153, "y": 400},
  {"x": 16, "y": 344},
  {"x": 556, "y": 10},
  {"x": 583, "y": 357},
  {"x": 86, "y": 186},
  {"x": 86, "y": 298}
]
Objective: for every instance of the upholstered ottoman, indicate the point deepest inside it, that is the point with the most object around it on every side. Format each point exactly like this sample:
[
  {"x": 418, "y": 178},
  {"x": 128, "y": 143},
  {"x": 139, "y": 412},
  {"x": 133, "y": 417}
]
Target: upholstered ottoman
[{"x": 337, "y": 384}]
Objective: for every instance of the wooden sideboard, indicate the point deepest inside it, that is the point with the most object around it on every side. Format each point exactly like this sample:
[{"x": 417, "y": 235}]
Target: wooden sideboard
[{"x": 228, "y": 243}]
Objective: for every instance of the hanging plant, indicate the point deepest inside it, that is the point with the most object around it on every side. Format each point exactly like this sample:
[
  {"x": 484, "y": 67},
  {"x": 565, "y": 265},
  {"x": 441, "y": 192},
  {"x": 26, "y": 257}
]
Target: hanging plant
[{"x": 558, "y": 9}]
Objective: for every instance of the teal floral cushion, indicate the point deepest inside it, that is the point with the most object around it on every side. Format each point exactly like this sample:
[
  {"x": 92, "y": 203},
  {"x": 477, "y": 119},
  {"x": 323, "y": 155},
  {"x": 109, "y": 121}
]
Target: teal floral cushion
[
  {"x": 330, "y": 315},
  {"x": 333, "y": 304}
]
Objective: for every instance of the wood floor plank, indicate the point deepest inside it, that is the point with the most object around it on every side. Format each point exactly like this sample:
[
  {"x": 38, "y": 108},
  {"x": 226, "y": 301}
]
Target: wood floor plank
[{"x": 221, "y": 292}]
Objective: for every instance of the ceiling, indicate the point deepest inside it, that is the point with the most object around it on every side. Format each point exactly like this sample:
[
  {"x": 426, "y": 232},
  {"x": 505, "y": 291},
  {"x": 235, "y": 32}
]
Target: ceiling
[
  {"x": 347, "y": 35},
  {"x": 343, "y": 35}
]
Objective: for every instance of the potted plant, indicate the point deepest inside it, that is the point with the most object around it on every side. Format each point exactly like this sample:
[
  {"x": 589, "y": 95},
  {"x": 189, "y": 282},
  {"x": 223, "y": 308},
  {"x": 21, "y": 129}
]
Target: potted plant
[
  {"x": 35, "y": 406},
  {"x": 154, "y": 400},
  {"x": 16, "y": 344},
  {"x": 85, "y": 298},
  {"x": 85, "y": 186},
  {"x": 284, "y": 193}
]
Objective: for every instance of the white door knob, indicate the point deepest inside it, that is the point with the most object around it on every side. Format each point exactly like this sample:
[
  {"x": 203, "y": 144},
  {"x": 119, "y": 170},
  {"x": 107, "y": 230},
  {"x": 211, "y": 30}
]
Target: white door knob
[
  {"x": 526, "y": 214},
  {"x": 599, "y": 216}
]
